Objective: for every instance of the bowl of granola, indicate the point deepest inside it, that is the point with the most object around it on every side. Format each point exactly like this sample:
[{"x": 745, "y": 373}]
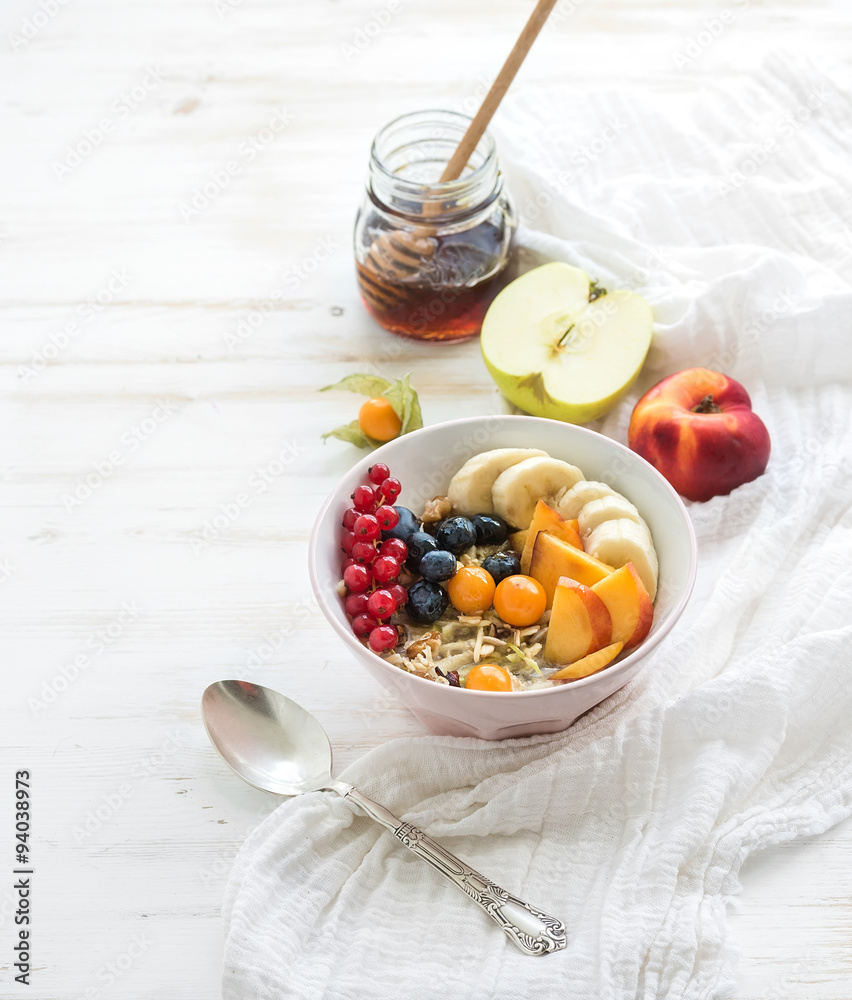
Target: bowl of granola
[{"x": 502, "y": 575}]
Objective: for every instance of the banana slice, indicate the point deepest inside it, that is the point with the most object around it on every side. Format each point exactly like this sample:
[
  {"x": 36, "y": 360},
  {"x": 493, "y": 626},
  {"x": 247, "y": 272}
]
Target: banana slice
[
  {"x": 571, "y": 503},
  {"x": 620, "y": 541},
  {"x": 517, "y": 490},
  {"x": 470, "y": 488},
  {"x": 608, "y": 508}
]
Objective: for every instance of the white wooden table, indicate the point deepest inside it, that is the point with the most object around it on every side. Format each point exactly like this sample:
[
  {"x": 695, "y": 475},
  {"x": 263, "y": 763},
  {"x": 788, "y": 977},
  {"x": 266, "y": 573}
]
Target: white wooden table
[{"x": 179, "y": 184}]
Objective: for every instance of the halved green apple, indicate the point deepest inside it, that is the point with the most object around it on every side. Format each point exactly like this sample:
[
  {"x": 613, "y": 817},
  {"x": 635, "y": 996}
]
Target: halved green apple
[{"x": 559, "y": 346}]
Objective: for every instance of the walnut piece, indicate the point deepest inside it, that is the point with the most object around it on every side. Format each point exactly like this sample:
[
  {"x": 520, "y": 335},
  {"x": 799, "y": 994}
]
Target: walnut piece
[
  {"x": 436, "y": 510},
  {"x": 431, "y": 640}
]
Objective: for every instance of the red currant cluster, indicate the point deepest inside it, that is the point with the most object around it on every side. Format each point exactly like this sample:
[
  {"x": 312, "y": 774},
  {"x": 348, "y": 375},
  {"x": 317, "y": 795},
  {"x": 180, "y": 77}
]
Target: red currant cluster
[{"x": 372, "y": 566}]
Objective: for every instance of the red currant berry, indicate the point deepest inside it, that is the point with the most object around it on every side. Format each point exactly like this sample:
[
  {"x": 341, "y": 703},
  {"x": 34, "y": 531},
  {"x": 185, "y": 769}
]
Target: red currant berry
[
  {"x": 394, "y": 547},
  {"x": 383, "y": 637},
  {"x": 355, "y": 604},
  {"x": 346, "y": 564},
  {"x": 364, "y": 499},
  {"x": 363, "y": 625},
  {"x": 378, "y": 473},
  {"x": 347, "y": 542},
  {"x": 350, "y": 516},
  {"x": 381, "y": 604},
  {"x": 357, "y": 578},
  {"x": 367, "y": 528},
  {"x": 400, "y": 594},
  {"x": 364, "y": 553},
  {"x": 387, "y": 517},
  {"x": 391, "y": 488},
  {"x": 385, "y": 568}
]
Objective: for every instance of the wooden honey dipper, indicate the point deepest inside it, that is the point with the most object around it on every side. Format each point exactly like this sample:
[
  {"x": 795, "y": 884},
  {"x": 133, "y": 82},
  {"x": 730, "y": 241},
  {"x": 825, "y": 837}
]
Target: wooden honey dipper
[{"x": 396, "y": 255}]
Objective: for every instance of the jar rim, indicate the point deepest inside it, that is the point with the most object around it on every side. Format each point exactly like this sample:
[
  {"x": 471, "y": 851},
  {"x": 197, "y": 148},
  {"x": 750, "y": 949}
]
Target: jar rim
[{"x": 436, "y": 189}]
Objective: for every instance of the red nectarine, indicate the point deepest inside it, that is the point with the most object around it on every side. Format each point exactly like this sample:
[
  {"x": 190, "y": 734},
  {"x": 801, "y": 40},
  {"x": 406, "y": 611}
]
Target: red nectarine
[{"x": 698, "y": 429}]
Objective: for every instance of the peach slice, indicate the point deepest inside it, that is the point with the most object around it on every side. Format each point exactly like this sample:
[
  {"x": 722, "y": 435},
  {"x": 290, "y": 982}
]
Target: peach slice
[
  {"x": 579, "y": 624},
  {"x": 518, "y": 540},
  {"x": 545, "y": 518},
  {"x": 552, "y": 558},
  {"x": 590, "y": 664},
  {"x": 628, "y": 603}
]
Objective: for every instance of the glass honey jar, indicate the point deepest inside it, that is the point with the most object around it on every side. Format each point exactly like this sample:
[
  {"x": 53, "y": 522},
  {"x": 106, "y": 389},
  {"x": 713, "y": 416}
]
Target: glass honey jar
[{"x": 429, "y": 254}]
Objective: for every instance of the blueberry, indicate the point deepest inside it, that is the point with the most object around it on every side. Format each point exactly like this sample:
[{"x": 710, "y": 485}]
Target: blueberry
[
  {"x": 418, "y": 545},
  {"x": 456, "y": 535},
  {"x": 437, "y": 565},
  {"x": 426, "y": 602},
  {"x": 405, "y": 527},
  {"x": 490, "y": 529},
  {"x": 501, "y": 565}
]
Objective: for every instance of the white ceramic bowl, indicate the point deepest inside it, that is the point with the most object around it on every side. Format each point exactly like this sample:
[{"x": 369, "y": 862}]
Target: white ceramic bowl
[{"x": 424, "y": 462}]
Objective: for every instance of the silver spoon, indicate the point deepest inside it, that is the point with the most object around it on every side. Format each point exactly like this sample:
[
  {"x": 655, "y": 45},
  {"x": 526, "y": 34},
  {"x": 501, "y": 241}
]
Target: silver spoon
[{"x": 276, "y": 745}]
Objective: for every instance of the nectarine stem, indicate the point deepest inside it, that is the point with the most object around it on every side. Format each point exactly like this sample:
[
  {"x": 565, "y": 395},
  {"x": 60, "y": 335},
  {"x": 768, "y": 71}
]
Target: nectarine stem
[{"x": 707, "y": 405}]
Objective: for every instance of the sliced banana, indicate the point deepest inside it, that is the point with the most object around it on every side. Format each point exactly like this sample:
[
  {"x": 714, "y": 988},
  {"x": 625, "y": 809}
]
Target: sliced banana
[
  {"x": 470, "y": 488},
  {"x": 620, "y": 541},
  {"x": 595, "y": 512},
  {"x": 517, "y": 490},
  {"x": 574, "y": 500}
]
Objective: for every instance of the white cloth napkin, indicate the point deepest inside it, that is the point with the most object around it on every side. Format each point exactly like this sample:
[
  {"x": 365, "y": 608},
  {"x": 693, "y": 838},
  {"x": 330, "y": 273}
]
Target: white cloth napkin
[{"x": 732, "y": 213}]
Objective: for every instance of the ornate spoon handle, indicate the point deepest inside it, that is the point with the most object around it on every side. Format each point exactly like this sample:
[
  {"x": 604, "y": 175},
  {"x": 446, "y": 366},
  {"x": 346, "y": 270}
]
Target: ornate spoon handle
[{"x": 534, "y": 932}]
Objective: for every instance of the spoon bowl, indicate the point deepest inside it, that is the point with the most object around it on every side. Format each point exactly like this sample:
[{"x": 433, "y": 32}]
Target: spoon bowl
[{"x": 267, "y": 739}]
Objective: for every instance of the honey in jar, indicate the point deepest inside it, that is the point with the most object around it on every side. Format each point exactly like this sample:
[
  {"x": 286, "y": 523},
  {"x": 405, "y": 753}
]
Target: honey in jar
[{"x": 430, "y": 254}]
